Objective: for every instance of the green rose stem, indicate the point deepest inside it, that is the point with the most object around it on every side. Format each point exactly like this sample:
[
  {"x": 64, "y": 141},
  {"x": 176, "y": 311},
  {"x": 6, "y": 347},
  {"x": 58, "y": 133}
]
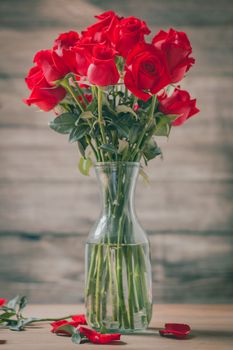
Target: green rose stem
[
  {"x": 65, "y": 84},
  {"x": 105, "y": 287},
  {"x": 96, "y": 151},
  {"x": 150, "y": 119},
  {"x": 119, "y": 257},
  {"x": 40, "y": 319},
  {"x": 131, "y": 299},
  {"x": 100, "y": 116},
  {"x": 98, "y": 282}
]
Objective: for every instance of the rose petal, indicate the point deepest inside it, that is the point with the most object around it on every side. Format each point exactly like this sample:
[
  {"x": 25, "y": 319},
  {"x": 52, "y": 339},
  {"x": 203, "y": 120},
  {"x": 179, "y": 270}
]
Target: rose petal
[
  {"x": 3, "y": 302},
  {"x": 79, "y": 318},
  {"x": 178, "y": 330},
  {"x": 99, "y": 338}
]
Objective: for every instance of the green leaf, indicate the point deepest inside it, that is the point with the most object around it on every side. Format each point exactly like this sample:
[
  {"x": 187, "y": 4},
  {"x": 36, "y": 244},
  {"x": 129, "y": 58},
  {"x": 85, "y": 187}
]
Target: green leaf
[
  {"x": 82, "y": 145},
  {"x": 63, "y": 124},
  {"x": 151, "y": 150},
  {"x": 22, "y": 303},
  {"x": 78, "y": 132},
  {"x": 134, "y": 133},
  {"x": 172, "y": 117},
  {"x": 109, "y": 148},
  {"x": 12, "y": 304},
  {"x": 163, "y": 125},
  {"x": 67, "y": 328},
  {"x": 87, "y": 115},
  {"x": 7, "y": 315},
  {"x": 11, "y": 322},
  {"x": 76, "y": 338},
  {"x": 125, "y": 109},
  {"x": 162, "y": 129},
  {"x": 84, "y": 165},
  {"x": 122, "y": 130}
]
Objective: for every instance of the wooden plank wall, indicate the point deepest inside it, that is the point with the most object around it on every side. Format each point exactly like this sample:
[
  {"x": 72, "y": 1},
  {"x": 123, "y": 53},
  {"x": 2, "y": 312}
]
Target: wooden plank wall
[{"x": 47, "y": 207}]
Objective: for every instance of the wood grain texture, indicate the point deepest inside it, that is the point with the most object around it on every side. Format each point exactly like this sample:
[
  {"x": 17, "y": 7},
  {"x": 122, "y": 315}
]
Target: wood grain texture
[
  {"x": 47, "y": 208},
  {"x": 187, "y": 267},
  {"x": 211, "y": 329}
]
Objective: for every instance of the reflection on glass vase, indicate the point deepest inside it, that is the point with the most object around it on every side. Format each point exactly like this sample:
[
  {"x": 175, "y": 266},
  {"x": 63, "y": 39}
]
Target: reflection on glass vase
[{"x": 118, "y": 291}]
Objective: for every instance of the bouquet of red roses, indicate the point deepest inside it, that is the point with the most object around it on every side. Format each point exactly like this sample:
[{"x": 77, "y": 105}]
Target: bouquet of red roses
[{"x": 112, "y": 91}]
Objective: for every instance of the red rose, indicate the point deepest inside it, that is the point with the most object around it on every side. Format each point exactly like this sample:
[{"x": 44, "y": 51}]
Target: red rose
[
  {"x": 107, "y": 21},
  {"x": 90, "y": 39},
  {"x": 178, "y": 103},
  {"x": 34, "y": 77},
  {"x": 128, "y": 33},
  {"x": 65, "y": 41},
  {"x": 62, "y": 54},
  {"x": 3, "y": 302},
  {"x": 45, "y": 60},
  {"x": 102, "y": 71},
  {"x": 146, "y": 71},
  {"x": 177, "y": 48},
  {"x": 98, "y": 338},
  {"x": 45, "y": 96}
]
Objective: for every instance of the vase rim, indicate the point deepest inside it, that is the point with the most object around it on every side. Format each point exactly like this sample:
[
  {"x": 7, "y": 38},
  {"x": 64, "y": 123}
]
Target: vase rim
[{"x": 116, "y": 163}]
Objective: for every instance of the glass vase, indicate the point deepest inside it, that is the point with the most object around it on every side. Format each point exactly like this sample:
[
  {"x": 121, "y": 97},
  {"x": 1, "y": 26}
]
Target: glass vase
[{"x": 118, "y": 288}]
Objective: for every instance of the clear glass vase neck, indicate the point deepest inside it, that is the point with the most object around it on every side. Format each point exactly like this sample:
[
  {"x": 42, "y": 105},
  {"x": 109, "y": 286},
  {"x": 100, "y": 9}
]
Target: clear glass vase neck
[{"x": 117, "y": 182}]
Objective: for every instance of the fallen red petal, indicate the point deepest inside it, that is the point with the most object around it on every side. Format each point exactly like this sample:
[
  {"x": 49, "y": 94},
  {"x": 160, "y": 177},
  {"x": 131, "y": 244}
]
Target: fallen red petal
[
  {"x": 99, "y": 338},
  {"x": 178, "y": 330}
]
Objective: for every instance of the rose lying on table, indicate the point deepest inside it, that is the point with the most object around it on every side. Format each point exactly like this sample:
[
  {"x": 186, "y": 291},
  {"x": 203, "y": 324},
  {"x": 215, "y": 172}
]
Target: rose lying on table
[
  {"x": 11, "y": 317},
  {"x": 82, "y": 334}
]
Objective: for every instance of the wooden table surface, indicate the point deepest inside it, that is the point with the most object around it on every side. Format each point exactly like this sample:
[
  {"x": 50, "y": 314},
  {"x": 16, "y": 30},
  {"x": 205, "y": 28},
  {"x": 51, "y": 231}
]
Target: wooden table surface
[{"x": 212, "y": 328}]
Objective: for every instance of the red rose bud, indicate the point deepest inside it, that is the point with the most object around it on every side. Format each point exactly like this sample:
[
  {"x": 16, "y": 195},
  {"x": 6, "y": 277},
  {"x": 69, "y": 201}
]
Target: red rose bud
[
  {"x": 176, "y": 47},
  {"x": 177, "y": 330},
  {"x": 102, "y": 71},
  {"x": 128, "y": 33},
  {"x": 178, "y": 103},
  {"x": 3, "y": 302},
  {"x": 146, "y": 71},
  {"x": 98, "y": 338}
]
